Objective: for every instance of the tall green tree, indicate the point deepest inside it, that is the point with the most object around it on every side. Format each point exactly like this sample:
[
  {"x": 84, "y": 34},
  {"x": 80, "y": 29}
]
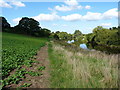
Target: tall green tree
[
  {"x": 77, "y": 34},
  {"x": 28, "y": 26},
  {"x": 63, "y": 36},
  {"x": 4, "y": 24},
  {"x": 104, "y": 36}
]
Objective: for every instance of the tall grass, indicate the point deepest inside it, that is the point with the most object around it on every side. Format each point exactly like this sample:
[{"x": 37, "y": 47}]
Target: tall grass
[{"x": 82, "y": 70}]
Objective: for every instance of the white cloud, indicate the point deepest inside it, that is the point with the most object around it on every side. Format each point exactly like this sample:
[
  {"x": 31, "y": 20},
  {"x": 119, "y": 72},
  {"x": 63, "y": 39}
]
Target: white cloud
[
  {"x": 110, "y": 13},
  {"x": 16, "y": 20},
  {"x": 87, "y": 7},
  {"x": 11, "y": 3},
  {"x": 18, "y": 4},
  {"x": 72, "y": 17},
  {"x": 70, "y": 5},
  {"x": 4, "y": 4},
  {"x": 64, "y": 25},
  {"x": 67, "y": 8},
  {"x": 71, "y": 2},
  {"x": 46, "y": 17},
  {"x": 106, "y": 24},
  {"x": 79, "y": 7},
  {"x": 63, "y": 8},
  {"x": 90, "y": 16},
  {"x": 41, "y": 17}
]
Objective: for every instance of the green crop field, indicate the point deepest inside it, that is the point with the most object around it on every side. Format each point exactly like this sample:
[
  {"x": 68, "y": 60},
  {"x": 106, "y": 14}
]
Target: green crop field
[{"x": 18, "y": 50}]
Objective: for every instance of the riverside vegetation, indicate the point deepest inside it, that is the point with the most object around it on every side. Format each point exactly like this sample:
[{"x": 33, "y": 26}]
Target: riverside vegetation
[
  {"x": 73, "y": 68},
  {"x": 70, "y": 66}
]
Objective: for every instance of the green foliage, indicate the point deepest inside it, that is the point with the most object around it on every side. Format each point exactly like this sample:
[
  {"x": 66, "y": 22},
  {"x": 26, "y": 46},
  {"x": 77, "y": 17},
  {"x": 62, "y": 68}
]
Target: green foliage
[
  {"x": 107, "y": 36},
  {"x": 104, "y": 36},
  {"x": 82, "y": 69},
  {"x": 31, "y": 73},
  {"x": 60, "y": 72},
  {"x": 41, "y": 68},
  {"x": 19, "y": 74},
  {"x": 81, "y": 39},
  {"x": 89, "y": 37},
  {"x": 14, "y": 78},
  {"x": 77, "y": 35},
  {"x": 5, "y": 24},
  {"x": 29, "y": 62},
  {"x": 95, "y": 30},
  {"x": 27, "y": 26},
  {"x": 64, "y": 36},
  {"x": 44, "y": 32},
  {"x": 18, "y": 50}
]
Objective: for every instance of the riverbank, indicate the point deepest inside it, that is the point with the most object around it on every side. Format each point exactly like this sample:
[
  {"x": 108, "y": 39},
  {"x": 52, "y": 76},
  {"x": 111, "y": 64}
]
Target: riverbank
[
  {"x": 77, "y": 68},
  {"x": 109, "y": 49}
]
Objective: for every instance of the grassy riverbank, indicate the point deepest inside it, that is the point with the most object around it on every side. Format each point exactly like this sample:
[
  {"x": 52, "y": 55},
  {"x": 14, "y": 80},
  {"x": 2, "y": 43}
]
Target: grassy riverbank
[{"x": 81, "y": 69}]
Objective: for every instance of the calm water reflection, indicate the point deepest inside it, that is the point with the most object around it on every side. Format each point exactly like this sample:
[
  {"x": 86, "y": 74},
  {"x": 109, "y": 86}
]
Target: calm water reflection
[
  {"x": 84, "y": 46},
  {"x": 102, "y": 48}
]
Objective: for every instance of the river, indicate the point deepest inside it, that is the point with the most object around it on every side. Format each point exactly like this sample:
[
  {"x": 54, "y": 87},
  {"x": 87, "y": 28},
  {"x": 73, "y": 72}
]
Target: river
[{"x": 103, "y": 48}]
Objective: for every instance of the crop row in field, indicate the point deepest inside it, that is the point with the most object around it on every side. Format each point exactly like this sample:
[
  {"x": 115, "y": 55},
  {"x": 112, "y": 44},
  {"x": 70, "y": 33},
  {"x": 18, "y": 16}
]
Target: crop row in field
[{"x": 18, "y": 50}]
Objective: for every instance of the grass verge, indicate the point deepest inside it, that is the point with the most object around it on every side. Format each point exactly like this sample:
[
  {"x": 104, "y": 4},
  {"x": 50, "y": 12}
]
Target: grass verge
[{"x": 80, "y": 70}]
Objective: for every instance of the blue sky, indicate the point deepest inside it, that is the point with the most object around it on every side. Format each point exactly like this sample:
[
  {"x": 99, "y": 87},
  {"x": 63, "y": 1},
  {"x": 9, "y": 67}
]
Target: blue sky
[{"x": 64, "y": 16}]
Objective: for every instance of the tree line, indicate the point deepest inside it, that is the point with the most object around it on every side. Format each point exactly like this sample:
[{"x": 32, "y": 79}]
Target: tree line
[
  {"x": 104, "y": 36},
  {"x": 29, "y": 26},
  {"x": 26, "y": 26},
  {"x": 100, "y": 35}
]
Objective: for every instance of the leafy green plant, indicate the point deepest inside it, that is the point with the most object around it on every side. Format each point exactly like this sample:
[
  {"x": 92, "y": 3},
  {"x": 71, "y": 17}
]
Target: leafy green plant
[
  {"x": 14, "y": 78},
  {"x": 28, "y": 63},
  {"x": 18, "y": 50},
  {"x": 31, "y": 73},
  {"x": 41, "y": 68}
]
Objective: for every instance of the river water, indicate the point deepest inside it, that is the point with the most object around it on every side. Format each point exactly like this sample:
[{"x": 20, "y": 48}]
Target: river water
[
  {"x": 83, "y": 46},
  {"x": 98, "y": 47}
]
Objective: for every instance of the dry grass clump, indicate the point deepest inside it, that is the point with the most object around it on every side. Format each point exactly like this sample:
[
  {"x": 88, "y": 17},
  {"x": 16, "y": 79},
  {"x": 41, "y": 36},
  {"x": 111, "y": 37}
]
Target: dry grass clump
[{"x": 92, "y": 70}]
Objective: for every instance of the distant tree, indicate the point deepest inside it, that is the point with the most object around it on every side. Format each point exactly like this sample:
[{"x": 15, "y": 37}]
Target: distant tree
[
  {"x": 63, "y": 36},
  {"x": 119, "y": 27},
  {"x": 77, "y": 34},
  {"x": 44, "y": 32},
  {"x": 70, "y": 37},
  {"x": 105, "y": 36},
  {"x": 95, "y": 30},
  {"x": 56, "y": 36},
  {"x": 57, "y": 32},
  {"x": 27, "y": 26},
  {"x": 114, "y": 27},
  {"x": 5, "y": 25},
  {"x": 52, "y": 35}
]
